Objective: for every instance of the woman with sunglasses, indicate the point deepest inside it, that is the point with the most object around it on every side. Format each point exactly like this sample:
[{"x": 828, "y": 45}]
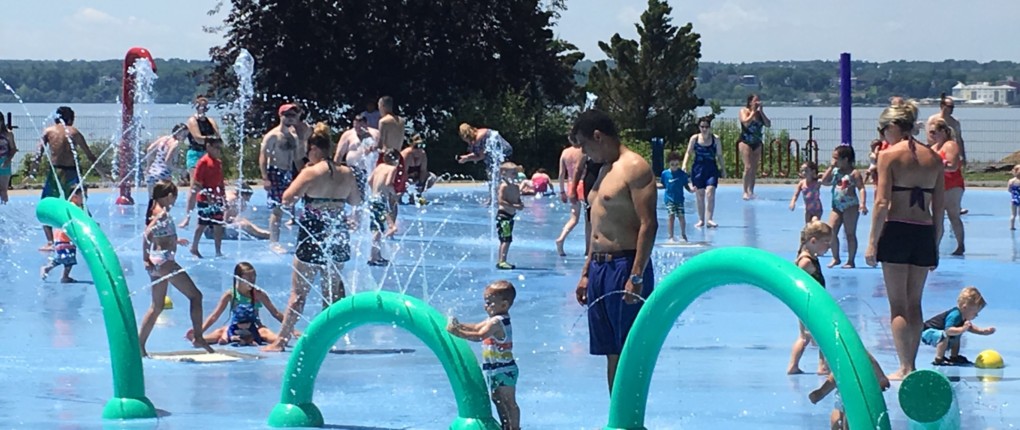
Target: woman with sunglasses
[{"x": 906, "y": 226}]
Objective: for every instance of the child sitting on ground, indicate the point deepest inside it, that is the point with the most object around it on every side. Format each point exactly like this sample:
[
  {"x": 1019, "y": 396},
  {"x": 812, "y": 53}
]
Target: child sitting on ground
[
  {"x": 837, "y": 420},
  {"x": 675, "y": 180},
  {"x": 945, "y": 329},
  {"x": 381, "y": 192},
  {"x": 814, "y": 240},
  {"x": 509, "y": 197},
  {"x": 244, "y": 299},
  {"x": 234, "y": 220},
  {"x": 64, "y": 252},
  {"x": 497, "y": 339}
]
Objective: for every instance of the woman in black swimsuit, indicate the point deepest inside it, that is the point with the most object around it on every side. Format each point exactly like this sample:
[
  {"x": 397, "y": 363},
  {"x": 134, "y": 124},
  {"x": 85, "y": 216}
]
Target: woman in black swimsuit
[
  {"x": 906, "y": 226},
  {"x": 323, "y": 238}
]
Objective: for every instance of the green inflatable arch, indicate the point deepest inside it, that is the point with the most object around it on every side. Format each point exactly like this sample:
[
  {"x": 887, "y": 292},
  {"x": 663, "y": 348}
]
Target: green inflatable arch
[
  {"x": 129, "y": 401},
  {"x": 382, "y": 307},
  {"x": 851, "y": 367}
]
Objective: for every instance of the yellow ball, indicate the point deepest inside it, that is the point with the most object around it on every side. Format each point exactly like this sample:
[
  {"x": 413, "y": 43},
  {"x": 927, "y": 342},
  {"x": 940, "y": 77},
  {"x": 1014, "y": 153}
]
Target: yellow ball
[
  {"x": 988, "y": 359},
  {"x": 169, "y": 304}
]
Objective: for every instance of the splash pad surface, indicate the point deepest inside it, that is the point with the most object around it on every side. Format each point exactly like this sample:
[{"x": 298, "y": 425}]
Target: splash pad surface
[{"x": 722, "y": 365}]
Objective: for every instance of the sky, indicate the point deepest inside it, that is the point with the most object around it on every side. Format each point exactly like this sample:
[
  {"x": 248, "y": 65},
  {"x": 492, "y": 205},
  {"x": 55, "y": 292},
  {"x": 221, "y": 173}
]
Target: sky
[{"x": 731, "y": 30}]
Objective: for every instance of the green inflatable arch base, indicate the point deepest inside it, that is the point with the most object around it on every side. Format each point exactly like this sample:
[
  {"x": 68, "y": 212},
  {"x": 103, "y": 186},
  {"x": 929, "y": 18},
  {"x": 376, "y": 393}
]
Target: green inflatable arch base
[
  {"x": 849, "y": 361},
  {"x": 296, "y": 408},
  {"x": 129, "y": 401}
]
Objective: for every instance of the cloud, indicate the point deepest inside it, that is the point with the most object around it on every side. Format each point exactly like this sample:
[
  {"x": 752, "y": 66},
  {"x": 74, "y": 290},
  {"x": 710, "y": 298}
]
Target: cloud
[
  {"x": 628, "y": 15},
  {"x": 732, "y": 16},
  {"x": 92, "y": 16}
]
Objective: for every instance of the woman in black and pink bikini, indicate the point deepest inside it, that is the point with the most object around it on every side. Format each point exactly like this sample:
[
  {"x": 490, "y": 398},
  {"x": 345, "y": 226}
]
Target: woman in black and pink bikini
[{"x": 906, "y": 226}]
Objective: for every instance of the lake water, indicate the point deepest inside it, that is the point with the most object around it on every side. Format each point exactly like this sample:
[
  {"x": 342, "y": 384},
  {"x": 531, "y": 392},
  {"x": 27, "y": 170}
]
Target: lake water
[{"x": 990, "y": 133}]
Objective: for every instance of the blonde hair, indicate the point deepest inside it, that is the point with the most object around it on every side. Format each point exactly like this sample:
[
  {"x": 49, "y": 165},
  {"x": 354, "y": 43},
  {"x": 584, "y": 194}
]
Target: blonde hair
[
  {"x": 467, "y": 132},
  {"x": 901, "y": 113},
  {"x": 321, "y": 138},
  {"x": 970, "y": 296},
  {"x": 814, "y": 229},
  {"x": 941, "y": 124},
  {"x": 503, "y": 289}
]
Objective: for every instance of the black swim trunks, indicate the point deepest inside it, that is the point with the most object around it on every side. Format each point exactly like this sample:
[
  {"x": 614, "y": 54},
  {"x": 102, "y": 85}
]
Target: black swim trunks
[{"x": 906, "y": 243}]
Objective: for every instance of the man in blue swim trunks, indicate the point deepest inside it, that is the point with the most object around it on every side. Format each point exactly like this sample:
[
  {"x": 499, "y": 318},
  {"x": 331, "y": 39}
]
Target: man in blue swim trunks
[
  {"x": 617, "y": 276},
  {"x": 65, "y": 142}
]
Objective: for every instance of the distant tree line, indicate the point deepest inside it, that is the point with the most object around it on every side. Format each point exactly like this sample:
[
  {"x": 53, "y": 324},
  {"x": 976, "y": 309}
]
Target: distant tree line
[
  {"x": 97, "y": 81},
  {"x": 490, "y": 63}
]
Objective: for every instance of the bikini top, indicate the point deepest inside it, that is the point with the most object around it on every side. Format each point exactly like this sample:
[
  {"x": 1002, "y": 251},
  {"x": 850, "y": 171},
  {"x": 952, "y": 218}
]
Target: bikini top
[
  {"x": 163, "y": 227},
  {"x": 916, "y": 194}
]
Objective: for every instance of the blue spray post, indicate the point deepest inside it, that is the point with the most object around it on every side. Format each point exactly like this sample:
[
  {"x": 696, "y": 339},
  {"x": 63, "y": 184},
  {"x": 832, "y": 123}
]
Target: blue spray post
[
  {"x": 845, "y": 99},
  {"x": 658, "y": 161}
]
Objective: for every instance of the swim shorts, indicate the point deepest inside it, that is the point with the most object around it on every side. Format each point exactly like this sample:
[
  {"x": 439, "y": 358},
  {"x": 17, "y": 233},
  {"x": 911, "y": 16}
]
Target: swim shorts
[
  {"x": 506, "y": 377},
  {"x": 505, "y": 227},
  {"x": 210, "y": 213},
  {"x": 279, "y": 180},
  {"x": 906, "y": 243},
  {"x": 68, "y": 180},
  {"x": 932, "y": 336},
  {"x": 379, "y": 209},
  {"x": 609, "y": 317},
  {"x": 675, "y": 208}
]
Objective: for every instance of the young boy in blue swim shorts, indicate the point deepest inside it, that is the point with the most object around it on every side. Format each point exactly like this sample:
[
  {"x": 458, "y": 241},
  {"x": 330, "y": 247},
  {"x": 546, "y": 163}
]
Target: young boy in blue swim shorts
[
  {"x": 497, "y": 337},
  {"x": 675, "y": 180},
  {"x": 945, "y": 329}
]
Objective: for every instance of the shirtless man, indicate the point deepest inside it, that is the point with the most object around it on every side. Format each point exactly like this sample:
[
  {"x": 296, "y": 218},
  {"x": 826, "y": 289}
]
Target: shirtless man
[
  {"x": 357, "y": 149},
  {"x": 569, "y": 160},
  {"x": 278, "y": 161},
  {"x": 391, "y": 136},
  {"x": 65, "y": 142},
  {"x": 623, "y": 227}
]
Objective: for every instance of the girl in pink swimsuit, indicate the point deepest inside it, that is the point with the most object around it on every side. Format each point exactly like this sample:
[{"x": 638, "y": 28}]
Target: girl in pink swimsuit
[{"x": 810, "y": 186}]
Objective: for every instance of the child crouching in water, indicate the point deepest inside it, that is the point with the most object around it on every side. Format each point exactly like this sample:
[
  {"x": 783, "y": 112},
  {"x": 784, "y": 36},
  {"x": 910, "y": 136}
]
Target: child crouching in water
[
  {"x": 814, "y": 240},
  {"x": 497, "y": 339},
  {"x": 64, "y": 252},
  {"x": 945, "y": 329},
  {"x": 244, "y": 298},
  {"x": 837, "y": 419}
]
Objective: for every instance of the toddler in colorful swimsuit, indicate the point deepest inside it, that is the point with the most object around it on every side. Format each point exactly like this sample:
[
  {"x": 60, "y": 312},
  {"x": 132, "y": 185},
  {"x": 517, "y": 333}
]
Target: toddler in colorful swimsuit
[
  {"x": 945, "y": 329},
  {"x": 497, "y": 339}
]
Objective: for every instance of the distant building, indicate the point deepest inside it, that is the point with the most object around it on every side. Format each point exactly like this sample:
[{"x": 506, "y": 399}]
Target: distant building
[
  {"x": 984, "y": 93},
  {"x": 750, "y": 82}
]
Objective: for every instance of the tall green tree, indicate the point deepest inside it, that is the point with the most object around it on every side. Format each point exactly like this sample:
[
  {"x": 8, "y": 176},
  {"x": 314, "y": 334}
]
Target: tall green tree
[
  {"x": 430, "y": 56},
  {"x": 648, "y": 84}
]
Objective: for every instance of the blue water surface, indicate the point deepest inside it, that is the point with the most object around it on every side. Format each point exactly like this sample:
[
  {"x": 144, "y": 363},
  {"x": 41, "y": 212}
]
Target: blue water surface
[{"x": 722, "y": 366}]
